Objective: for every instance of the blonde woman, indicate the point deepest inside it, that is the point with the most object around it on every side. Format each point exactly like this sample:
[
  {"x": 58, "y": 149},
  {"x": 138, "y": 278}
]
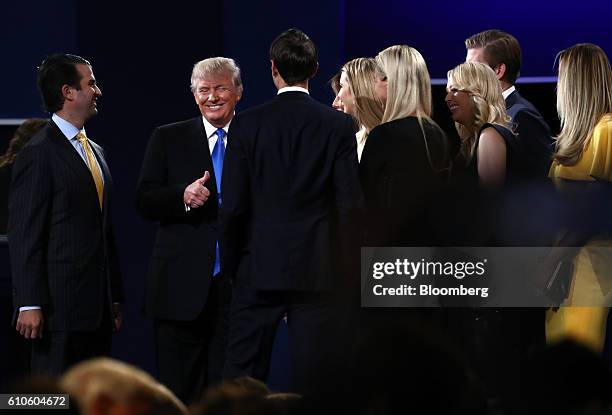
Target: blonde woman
[
  {"x": 404, "y": 162},
  {"x": 334, "y": 82},
  {"x": 583, "y": 151},
  {"x": 358, "y": 98},
  {"x": 477, "y": 106}
]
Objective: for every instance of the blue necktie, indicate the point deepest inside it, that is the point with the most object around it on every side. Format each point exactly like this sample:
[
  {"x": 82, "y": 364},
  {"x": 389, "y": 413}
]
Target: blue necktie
[{"x": 217, "y": 158}]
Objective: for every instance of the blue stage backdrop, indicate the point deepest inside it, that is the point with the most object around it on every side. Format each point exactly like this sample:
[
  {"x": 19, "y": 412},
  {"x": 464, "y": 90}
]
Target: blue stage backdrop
[
  {"x": 29, "y": 31},
  {"x": 438, "y": 28}
]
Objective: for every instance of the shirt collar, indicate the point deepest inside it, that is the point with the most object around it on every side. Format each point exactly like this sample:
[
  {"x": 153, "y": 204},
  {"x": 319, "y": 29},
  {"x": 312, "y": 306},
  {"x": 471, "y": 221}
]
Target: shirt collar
[
  {"x": 211, "y": 129},
  {"x": 69, "y": 130},
  {"x": 292, "y": 89},
  {"x": 508, "y": 91}
]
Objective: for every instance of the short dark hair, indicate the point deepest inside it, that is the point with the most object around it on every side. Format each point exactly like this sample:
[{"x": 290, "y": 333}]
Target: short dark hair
[
  {"x": 498, "y": 47},
  {"x": 294, "y": 55},
  {"x": 54, "y": 72}
]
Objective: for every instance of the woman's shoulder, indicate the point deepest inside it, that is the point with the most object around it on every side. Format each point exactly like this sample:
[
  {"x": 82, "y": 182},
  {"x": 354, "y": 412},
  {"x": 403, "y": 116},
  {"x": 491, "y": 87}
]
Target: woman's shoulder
[
  {"x": 603, "y": 129},
  {"x": 496, "y": 130}
]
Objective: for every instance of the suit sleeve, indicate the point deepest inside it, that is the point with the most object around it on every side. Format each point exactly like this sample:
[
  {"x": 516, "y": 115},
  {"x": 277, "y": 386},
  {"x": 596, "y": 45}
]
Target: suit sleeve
[
  {"x": 112, "y": 257},
  {"x": 28, "y": 225},
  {"x": 156, "y": 199},
  {"x": 236, "y": 190},
  {"x": 349, "y": 205}
]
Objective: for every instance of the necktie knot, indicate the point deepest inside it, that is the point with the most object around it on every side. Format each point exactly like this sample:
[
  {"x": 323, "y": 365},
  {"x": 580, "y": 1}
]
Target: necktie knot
[
  {"x": 81, "y": 137},
  {"x": 220, "y": 133}
]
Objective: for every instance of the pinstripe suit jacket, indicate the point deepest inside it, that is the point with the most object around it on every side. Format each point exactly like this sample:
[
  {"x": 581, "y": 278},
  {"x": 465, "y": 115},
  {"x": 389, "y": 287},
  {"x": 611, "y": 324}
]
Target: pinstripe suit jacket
[{"x": 62, "y": 248}]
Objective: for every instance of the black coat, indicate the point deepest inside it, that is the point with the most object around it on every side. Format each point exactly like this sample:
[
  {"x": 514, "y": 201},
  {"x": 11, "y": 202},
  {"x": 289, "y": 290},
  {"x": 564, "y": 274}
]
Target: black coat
[
  {"x": 62, "y": 247},
  {"x": 290, "y": 176},
  {"x": 184, "y": 252}
]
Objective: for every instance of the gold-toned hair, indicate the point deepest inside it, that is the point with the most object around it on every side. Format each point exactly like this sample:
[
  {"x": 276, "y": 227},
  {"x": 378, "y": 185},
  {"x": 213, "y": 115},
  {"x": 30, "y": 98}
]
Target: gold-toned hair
[
  {"x": 215, "y": 66},
  {"x": 480, "y": 82},
  {"x": 584, "y": 97},
  {"x": 408, "y": 83},
  {"x": 408, "y": 90},
  {"x": 334, "y": 82},
  {"x": 119, "y": 382},
  {"x": 361, "y": 74}
]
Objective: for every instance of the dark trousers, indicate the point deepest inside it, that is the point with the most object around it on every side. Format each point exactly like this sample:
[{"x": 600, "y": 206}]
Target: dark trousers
[
  {"x": 496, "y": 342},
  {"x": 191, "y": 354},
  {"x": 56, "y": 351},
  {"x": 254, "y": 317}
]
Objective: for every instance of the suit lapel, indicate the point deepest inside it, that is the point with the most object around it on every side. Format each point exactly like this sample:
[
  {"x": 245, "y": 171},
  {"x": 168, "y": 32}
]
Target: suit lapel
[
  {"x": 72, "y": 159},
  {"x": 512, "y": 99},
  {"x": 108, "y": 180}
]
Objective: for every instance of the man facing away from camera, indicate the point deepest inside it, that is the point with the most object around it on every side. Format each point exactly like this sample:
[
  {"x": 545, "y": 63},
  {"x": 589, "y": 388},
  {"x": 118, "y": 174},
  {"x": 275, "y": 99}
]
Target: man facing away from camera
[{"x": 291, "y": 176}]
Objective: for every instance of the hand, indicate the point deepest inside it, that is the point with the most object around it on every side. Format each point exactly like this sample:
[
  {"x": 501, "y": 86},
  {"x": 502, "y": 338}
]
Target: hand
[
  {"x": 196, "y": 193},
  {"x": 30, "y": 324},
  {"x": 117, "y": 317}
]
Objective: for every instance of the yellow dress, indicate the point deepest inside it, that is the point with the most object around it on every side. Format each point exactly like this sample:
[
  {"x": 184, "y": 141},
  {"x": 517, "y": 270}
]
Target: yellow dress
[{"x": 587, "y": 325}]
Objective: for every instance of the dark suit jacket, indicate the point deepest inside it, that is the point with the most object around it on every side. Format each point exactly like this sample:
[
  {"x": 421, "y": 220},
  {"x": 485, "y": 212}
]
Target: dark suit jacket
[
  {"x": 63, "y": 253},
  {"x": 5, "y": 181},
  {"x": 534, "y": 141},
  {"x": 290, "y": 174},
  {"x": 184, "y": 252},
  {"x": 401, "y": 185}
]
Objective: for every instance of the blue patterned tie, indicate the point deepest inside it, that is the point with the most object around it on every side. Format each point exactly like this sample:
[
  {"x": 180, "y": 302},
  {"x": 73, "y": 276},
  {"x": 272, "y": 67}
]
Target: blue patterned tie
[{"x": 217, "y": 158}]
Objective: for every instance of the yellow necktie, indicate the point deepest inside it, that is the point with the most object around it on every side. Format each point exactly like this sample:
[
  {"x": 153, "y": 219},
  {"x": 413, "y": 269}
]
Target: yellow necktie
[{"x": 93, "y": 167}]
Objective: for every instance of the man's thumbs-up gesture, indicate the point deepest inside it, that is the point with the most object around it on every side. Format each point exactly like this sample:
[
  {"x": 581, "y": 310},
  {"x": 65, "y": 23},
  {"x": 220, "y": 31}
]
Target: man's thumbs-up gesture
[{"x": 197, "y": 193}]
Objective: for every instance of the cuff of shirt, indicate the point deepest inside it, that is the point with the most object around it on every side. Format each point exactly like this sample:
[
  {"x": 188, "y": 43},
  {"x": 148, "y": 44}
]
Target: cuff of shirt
[{"x": 187, "y": 208}]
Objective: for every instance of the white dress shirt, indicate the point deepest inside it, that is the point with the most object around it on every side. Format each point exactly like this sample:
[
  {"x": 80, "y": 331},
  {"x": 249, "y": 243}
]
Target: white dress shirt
[
  {"x": 292, "y": 89},
  {"x": 211, "y": 136},
  {"x": 508, "y": 91}
]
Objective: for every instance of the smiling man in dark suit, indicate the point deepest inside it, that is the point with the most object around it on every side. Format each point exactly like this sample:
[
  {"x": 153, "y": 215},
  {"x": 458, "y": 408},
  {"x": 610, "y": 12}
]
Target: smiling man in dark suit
[
  {"x": 290, "y": 176},
  {"x": 187, "y": 294},
  {"x": 64, "y": 262}
]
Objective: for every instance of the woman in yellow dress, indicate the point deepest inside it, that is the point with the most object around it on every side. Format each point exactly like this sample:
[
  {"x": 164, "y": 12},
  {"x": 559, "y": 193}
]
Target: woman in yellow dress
[{"x": 583, "y": 151}]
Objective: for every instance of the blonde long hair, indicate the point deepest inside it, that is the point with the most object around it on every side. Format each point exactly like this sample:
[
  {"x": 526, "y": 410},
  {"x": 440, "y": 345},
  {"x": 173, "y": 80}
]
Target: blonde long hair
[
  {"x": 408, "y": 83},
  {"x": 584, "y": 97},
  {"x": 480, "y": 82},
  {"x": 409, "y": 91},
  {"x": 360, "y": 75}
]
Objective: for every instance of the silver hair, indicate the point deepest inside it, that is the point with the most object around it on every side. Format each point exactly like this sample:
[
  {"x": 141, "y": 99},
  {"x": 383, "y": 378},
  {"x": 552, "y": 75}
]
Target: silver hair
[{"x": 215, "y": 66}]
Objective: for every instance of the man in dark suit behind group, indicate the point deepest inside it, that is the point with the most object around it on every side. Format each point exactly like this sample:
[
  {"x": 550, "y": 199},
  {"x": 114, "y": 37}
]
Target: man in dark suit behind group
[
  {"x": 64, "y": 262},
  {"x": 186, "y": 293},
  {"x": 502, "y": 338},
  {"x": 502, "y": 52},
  {"x": 290, "y": 174}
]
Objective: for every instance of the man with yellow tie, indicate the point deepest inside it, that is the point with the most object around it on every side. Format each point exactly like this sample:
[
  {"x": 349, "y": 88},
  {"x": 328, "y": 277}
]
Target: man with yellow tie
[{"x": 66, "y": 279}]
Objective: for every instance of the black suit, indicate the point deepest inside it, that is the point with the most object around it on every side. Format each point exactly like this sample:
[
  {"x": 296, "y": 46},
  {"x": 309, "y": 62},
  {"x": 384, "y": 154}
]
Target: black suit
[
  {"x": 63, "y": 254},
  {"x": 402, "y": 174},
  {"x": 189, "y": 306},
  {"x": 534, "y": 141},
  {"x": 290, "y": 176}
]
